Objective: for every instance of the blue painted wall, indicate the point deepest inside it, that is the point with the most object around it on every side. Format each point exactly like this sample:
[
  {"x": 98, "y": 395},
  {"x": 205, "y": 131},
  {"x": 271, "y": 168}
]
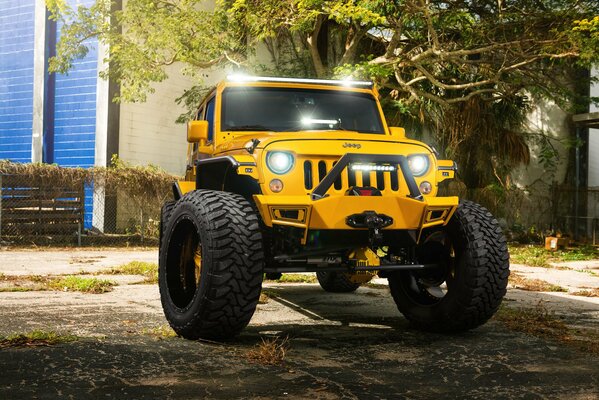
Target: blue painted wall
[
  {"x": 75, "y": 109},
  {"x": 70, "y": 139},
  {"x": 16, "y": 79},
  {"x": 75, "y": 116}
]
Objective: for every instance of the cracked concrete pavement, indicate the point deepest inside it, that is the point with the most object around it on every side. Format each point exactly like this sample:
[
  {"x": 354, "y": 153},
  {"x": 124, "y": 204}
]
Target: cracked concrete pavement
[{"x": 342, "y": 346}]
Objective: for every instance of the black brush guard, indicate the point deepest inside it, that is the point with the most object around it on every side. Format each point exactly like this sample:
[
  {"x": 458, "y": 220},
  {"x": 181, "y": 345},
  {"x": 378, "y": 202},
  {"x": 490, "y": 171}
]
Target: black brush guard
[{"x": 353, "y": 158}]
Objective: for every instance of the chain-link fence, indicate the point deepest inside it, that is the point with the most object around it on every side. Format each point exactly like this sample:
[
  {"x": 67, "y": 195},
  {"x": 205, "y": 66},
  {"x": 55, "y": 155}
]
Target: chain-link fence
[
  {"x": 50, "y": 205},
  {"x": 120, "y": 206}
]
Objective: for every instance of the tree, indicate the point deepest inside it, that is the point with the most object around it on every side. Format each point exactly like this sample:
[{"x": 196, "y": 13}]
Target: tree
[{"x": 465, "y": 68}]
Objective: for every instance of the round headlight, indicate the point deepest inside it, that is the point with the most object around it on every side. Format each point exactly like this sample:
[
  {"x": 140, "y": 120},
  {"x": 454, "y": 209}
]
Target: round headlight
[
  {"x": 418, "y": 164},
  {"x": 279, "y": 162}
]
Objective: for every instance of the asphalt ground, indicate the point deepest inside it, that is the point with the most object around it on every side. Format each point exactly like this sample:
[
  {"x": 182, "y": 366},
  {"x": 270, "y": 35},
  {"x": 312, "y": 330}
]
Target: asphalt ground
[{"x": 339, "y": 346}]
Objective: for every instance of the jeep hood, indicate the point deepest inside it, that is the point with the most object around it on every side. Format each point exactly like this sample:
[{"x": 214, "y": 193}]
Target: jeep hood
[{"x": 325, "y": 143}]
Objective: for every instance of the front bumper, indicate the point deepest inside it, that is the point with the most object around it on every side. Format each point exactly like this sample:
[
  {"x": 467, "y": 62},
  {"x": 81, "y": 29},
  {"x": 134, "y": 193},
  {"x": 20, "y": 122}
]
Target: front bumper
[
  {"x": 331, "y": 212},
  {"x": 319, "y": 210}
]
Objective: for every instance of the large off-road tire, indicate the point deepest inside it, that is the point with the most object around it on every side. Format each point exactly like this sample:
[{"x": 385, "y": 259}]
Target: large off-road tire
[
  {"x": 165, "y": 214},
  {"x": 468, "y": 287},
  {"x": 211, "y": 265},
  {"x": 336, "y": 282}
]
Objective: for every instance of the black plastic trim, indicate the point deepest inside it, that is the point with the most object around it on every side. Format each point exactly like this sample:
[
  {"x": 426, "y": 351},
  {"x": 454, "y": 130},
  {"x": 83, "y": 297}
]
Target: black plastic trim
[
  {"x": 177, "y": 191},
  {"x": 454, "y": 167},
  {"x": 230, "y": 159}
]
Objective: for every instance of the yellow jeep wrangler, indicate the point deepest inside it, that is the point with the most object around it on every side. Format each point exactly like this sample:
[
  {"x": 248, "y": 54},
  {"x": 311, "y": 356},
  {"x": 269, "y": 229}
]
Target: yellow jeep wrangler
[{"x": 302, "y": 175}]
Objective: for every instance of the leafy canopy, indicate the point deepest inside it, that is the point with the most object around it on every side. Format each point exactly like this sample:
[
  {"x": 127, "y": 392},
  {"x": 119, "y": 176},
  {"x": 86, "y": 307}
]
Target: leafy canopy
[{"x": 465, "y": 69}]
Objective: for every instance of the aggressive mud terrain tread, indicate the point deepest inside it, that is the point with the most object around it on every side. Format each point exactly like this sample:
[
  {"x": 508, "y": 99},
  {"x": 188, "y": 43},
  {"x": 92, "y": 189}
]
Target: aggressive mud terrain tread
[
  {"x": 232, "y": 265},
  {"x": 483, "y": 278},
  {"x": 335, "y": 282},
  {"x": 165, "y": 214}
]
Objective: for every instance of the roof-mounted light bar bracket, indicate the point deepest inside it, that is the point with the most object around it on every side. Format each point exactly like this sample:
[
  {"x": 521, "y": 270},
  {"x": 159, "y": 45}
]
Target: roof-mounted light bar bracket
[{"x": 345, "y": 82}]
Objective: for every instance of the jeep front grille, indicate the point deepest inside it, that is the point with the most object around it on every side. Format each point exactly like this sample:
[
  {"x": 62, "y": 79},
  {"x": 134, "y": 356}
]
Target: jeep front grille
[{"x": 315, "y": 171}]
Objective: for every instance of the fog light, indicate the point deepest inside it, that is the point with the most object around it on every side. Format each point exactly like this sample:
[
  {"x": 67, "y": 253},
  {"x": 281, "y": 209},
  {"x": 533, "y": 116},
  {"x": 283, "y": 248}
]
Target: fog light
[
  {"x": 276, "y": 185},
  {"x": 426, "y": 187}
]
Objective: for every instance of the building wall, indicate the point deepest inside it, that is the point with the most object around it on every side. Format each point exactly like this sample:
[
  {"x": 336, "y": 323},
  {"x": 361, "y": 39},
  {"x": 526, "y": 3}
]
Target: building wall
[
  {"x": 549, "y": 119},
  {"x": 148, "y": 132},
  {"x": 16, "y": 79}
]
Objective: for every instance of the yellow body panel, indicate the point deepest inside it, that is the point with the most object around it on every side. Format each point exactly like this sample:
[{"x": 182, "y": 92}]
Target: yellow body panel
[
  {"x": 186, "y": 186},
  {"x": 315, "y": 151}
]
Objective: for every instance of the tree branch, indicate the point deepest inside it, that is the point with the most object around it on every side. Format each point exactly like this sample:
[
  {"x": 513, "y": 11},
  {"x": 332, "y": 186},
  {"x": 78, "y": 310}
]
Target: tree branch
[{"x": 312, "y": 40}]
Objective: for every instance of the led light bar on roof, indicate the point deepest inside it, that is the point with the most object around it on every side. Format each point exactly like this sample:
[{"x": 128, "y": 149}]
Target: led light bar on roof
[{"x": 346, "y": 82}]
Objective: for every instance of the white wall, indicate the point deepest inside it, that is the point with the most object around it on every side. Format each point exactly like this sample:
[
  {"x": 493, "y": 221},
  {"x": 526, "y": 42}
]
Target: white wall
[
  {"x": 548, "y": 118},
  {"x": 148, "y": 132}
]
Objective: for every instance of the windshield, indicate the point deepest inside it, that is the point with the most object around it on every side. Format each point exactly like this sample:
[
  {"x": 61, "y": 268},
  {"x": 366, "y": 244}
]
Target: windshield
[{"x": 286, "y": 109}]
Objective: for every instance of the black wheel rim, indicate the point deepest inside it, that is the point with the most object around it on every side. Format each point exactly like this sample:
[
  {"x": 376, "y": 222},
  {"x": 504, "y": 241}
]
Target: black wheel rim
[
  {"x": 184, "y": 263},
  {"x": 431, "y": 286}
]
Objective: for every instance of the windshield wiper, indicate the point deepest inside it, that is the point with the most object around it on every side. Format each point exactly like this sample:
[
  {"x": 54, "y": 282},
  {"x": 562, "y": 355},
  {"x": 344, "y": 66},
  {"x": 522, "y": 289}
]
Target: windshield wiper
[{"x": 249, "y": 128}]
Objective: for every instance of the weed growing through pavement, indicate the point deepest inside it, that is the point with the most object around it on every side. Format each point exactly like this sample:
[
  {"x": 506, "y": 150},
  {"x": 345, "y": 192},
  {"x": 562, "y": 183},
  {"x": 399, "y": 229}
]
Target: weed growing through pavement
[
  {"x": 35, "y": 338},
  {"x": 587, "y": 292},
  {"x": 534, "y": 285},
  {"x": 266, "y": 295},
  {"x": 70, "y": 283},
  {"x": 80, "y": 284},
  {"x": 148, "y": 270},
  {"x": 160, "y": 332},
  {"x": 271, "y": 351},
  {"x": 540, "y": 322},
  {"x": 296, "y": 278}
]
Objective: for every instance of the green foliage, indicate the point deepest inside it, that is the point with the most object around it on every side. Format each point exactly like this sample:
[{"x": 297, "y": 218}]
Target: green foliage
[
  {"x": 463, "y": 70},
  {"x": 80, "y": 284},
  {"x": 585, "y": 33},
  {"x": 147, "y": 269},
  {"x": 537, "y": 256},
  {"x": 145, "y": 39},
  {"x": 364, "y": 70},
  {"x": 191, "y": 99}
]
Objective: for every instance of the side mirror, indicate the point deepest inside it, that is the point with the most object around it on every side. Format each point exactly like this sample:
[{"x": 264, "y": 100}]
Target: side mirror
[
  {"x": 397, "y": 131},
  {"x": 197, "y": 131}
]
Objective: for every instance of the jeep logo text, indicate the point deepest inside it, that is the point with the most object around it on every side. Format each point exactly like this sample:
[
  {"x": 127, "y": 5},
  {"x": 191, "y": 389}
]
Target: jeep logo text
[{"x": 352, "y": 145}]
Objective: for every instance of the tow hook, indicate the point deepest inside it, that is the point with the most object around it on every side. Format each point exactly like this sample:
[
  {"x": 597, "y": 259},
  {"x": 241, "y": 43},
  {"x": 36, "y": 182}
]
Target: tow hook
[{"x": 371, "y": 220}]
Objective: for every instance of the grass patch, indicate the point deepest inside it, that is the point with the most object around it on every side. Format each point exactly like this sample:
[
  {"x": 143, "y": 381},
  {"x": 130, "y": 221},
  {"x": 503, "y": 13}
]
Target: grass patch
[
  {"x": 373, "y": 285},
  {"x": 534, "y": 285},
  {"x": 35, "y": 339},
  {"x": 160, "y": 332},
  {"x": 266, "y": 295},
  {"x": 71, "y": 283},
  {"x": 296, "y": 278},
  {"x": 147, "y": 269},
  {"x": 586, "y": 271},
  {"x": 270, "y": 352},
  {"x": 537, "y": 256},
  {"x": 80, "y": 284},
  {"x": 540, "y": 322},
  {"x": 587, "y": 293}
]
